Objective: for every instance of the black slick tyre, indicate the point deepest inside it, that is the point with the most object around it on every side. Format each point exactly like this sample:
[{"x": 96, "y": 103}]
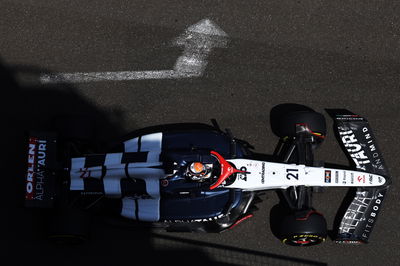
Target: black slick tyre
[
  {"x": 69, "y": 226},
  {"x": 303, "y": 228},
  {"x": 284, "y": 118}
]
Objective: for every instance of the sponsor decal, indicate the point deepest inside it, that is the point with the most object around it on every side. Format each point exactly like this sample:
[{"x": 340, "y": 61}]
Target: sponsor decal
[
  {"x": 87, "y": 193},
  {"x": 361, "y": 179},
  {"x": 344, "y": 178},
  {"x": 372, "y": 217},
  {"x": 35, "y": 172},
  {"x": 354, "y": 148},
  {"x": 337, "y": 177},
  {"x": 252, "y": 164},
  {"x": 355, "y": 214},
  {"x": 328, "y": 176},
  {"x": 262, "y": 173},
  {"x": 372, "y": 147},
  {"x": 352, "y": 178},
  {"x": 242, "y": 176},
  {"x": 349, "y": 117},
  {"x": 353, "y": 242},
  {"x": 30, "y": 178},
  {"x": 196, "y": 220},
  {"x": 361, "y": 146},
  {"x": 370, "y": 179}
]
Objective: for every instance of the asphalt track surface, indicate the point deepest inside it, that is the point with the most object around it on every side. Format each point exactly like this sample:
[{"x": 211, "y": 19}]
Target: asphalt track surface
[{"x": 324, "y": 54}]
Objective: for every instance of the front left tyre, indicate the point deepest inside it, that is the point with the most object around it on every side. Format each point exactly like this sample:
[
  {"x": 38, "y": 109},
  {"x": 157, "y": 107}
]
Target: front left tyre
[{"x": 285, "y": 117}]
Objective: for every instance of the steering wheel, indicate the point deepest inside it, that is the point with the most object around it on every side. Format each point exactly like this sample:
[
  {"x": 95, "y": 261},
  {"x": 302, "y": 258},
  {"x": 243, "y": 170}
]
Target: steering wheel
[{"x": 226, "y": 170}]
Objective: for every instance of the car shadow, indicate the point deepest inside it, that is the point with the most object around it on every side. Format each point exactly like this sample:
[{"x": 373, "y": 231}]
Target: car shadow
[{"x": 34, "y": 107}]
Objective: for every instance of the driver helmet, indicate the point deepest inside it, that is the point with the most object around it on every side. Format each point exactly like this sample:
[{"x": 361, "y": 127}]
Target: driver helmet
[
  {"x": 198, "y": 171},
  {"x": 197, "y": 168}
]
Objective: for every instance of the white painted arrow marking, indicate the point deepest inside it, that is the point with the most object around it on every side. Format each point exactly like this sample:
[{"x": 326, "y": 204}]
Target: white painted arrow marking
[{"x": 198, "y": 41}]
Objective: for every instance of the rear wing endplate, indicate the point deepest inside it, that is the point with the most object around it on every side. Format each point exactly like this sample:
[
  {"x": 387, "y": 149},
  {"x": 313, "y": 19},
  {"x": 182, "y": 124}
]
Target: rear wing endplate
[
  {"x": 359, "y": 144},
  {"x": 40, "y": 171}
]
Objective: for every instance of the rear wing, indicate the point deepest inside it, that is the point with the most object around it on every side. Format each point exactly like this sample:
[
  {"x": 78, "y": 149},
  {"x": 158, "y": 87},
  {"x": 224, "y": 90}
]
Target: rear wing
[
  {"x": 40, "y": 171},
  {"x": 359, "y": 144}
]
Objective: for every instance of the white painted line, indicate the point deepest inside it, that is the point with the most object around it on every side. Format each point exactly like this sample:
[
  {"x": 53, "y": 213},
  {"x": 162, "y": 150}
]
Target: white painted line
[
  {"x": 207, "y": 27},
  {"x": 198, "y": 41},
  {"x": 104, "y": 76}
]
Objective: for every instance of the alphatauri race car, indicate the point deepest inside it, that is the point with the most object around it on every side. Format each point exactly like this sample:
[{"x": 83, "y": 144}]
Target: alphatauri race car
[{"x": 198, "y": 178}]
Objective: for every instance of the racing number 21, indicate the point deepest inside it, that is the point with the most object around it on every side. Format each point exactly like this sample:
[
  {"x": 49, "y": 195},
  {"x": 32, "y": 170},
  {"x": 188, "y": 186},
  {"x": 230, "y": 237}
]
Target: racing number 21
[{"x": 292, "y": 173}]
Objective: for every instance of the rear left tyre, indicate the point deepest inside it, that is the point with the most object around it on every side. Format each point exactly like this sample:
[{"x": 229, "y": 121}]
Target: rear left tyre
[{"x": 69, "y": 226}]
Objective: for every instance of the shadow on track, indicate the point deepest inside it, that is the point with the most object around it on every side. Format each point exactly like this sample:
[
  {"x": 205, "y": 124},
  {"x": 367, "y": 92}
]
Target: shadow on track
[{"x": 34, "y": 107}]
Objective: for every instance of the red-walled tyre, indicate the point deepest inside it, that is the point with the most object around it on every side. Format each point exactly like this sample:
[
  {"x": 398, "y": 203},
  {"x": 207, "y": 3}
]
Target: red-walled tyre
[{"x": 303, "y": 228}]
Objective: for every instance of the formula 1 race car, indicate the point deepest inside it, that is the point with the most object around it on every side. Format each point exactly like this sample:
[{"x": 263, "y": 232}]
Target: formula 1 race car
[{"x": 198, "y": 178}]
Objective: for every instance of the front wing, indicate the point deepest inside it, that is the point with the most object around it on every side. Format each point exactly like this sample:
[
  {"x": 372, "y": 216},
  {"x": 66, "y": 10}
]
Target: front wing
[{"x": 358, "y": 142}]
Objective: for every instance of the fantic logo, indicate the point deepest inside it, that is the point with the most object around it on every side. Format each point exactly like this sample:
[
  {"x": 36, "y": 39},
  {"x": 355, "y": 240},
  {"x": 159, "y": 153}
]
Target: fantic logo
[{"x": 354, "y": 148}]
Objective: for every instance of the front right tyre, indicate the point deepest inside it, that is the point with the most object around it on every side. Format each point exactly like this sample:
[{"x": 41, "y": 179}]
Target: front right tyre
[{"x": 298, "y": 228}]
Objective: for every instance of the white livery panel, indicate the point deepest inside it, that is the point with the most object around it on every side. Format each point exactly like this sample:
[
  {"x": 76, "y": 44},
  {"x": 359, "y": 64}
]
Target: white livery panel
[{"x": 266, "y": 175}]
